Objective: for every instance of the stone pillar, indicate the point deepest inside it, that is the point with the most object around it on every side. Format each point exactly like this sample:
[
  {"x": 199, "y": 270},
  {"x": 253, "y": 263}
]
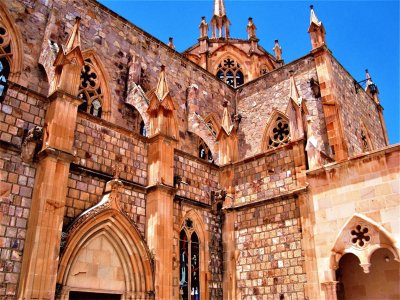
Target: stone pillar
[
  {"x": 330, "y": 290},
  {"x": 330, "y": 104},
  {"x": 159, "y": 212},
  {"x": 42, "y": 244}
]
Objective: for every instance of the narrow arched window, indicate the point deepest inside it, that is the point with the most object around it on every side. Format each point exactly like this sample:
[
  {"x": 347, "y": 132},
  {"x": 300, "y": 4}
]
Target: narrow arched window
[
  {"x": 4, "y": 73},
  {"x": 279, "y": 132},
  {"x": 189, "y": 255},
  {"x": 90, "y": 90},
  {"x": 365, "y": 141},
  {"x": 204, "y": 151},
  {"x": 5, "y": 56},
  {"x": 142, "y": 130},
  {"x": 230, "y": 72}
]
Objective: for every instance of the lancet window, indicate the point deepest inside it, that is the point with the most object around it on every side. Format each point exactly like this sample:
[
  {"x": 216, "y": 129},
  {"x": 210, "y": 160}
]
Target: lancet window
[
  {"x": 5, "y": 57},
  {"x": 230, "y": 72},
  {"x": 204, "y": 151},
  {"x": 279, "y": 132},
  {"x": 189, "y": 268},
  {"x": 365, "y": 143},
  {"x": 90, "y": 90}
]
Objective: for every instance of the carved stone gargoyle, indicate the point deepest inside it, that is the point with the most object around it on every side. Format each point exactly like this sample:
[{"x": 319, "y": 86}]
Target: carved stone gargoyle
[
  {"x": 31, "y": 144},
  {"x": 217, "y": 200}
]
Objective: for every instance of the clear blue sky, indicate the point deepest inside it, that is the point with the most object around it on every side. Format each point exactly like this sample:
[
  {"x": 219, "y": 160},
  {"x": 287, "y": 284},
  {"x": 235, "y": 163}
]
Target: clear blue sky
[{"x": 361, "y": 34}]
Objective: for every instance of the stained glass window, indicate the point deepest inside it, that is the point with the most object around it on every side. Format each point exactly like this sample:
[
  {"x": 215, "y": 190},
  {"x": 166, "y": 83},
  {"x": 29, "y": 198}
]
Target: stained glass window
[
  {"x": 204, "y": 151},
  {"x": 189, "y": 271},
  {"x": 230, "y": 72}
]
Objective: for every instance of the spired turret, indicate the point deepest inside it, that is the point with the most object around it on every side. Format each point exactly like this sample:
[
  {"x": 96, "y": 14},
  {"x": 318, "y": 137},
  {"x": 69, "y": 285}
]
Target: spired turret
[{"x": 220, "y": 20}]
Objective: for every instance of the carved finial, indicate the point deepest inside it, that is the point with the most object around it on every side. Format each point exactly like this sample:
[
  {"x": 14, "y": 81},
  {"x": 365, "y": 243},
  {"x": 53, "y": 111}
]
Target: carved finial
[
  {"x": 277, "y": 50},
  {"x": 294, "y": 93},
  {"x": 316, "y": 30},
  {"x": 226, "y": 123},
  {"x": 171, "y": 43},
  {"x": 74, "y": 39},
  {"x": 117, "y": 168},
  {"x": 162, "y": 89},
  {"x": 313, "y": 16}
]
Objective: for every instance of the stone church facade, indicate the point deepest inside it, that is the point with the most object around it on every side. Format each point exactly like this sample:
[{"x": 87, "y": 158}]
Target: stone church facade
[{"x": 132, "y": 171}]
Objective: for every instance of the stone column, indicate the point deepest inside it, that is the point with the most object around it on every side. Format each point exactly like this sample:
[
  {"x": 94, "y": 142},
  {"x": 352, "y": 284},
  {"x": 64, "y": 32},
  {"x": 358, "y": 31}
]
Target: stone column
[
  {"x": 159, "y": 212},
  {"x": 42, "y": 244}
]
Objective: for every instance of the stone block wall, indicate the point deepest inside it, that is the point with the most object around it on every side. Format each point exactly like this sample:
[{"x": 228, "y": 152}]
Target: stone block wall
[
  {"x": 85, "y": 191},
  {"x": 202, "y": 177},
  {"x": 270, "y": 263},
  {"x": 358, "y": 110},
  {"x": 265, "y": 176},
  {"x": 257, "y": 100},
  {"x": 100, "y": 146}
]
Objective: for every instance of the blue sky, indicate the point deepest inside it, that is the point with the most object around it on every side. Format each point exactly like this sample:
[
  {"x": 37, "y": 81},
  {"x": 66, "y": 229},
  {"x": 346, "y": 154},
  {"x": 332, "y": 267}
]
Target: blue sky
[{"x": 360, "y": 34}]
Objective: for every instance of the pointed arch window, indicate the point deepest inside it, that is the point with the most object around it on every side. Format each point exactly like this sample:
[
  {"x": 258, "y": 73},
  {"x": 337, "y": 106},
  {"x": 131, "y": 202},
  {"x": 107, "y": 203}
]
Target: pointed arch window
[
  {"x": 189, "y": 271},
  {"x": 279, "y": 132},
  {"x": 230, "y": 72},
  {"x": 204, "y": 151},
  {"x": 90, "y": 90},
  {"x": 5, "y": 57}
]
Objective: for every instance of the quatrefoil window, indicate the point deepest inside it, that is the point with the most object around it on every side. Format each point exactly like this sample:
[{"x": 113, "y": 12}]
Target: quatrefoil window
[
  {"x": 90, "y": 90},
  {"x": 359, "y": 236},
  {"x": 279, "y": 133}
]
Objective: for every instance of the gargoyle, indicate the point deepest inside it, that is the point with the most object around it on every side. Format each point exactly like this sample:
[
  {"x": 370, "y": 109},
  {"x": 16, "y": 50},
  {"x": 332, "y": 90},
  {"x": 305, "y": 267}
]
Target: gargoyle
[{"x": 31, "y": 144}]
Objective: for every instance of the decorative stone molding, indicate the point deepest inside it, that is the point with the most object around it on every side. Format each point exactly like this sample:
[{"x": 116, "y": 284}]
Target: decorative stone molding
[{"x": 361, "y": 236}]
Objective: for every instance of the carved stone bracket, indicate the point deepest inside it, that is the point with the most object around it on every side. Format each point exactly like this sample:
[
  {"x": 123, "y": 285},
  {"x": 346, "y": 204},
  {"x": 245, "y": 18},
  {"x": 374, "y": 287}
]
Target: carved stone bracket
[{"x": 32, "y": 144}]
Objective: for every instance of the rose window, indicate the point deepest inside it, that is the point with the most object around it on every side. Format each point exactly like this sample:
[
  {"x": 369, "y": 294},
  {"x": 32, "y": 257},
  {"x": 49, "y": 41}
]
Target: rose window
[{"x": 279, "y": 134}]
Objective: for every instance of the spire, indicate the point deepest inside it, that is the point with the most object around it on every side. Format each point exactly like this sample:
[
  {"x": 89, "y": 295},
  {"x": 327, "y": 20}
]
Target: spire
[
  {"x": 219, "y": 8},
  {"x": 316, "y": 30},
  {"x": 278, "y": 51},
  {"x": 251, "y": 29},
  {"x": 226, "y": 123},
  {"x": 220, "y": 20},
  {"x": 313, "y": 17},
  {"x": 162, "y": 89},
  {"x": 74, "y": 39},
  {"x": 294, "y": 93}
]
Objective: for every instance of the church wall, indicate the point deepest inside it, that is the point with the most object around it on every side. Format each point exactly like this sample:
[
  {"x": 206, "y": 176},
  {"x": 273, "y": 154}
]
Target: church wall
[
  {"x": 20, "y": 111},
  {"x": 270, "y": 261},
  {"x": 100, "y": 146},
  {"x": 257, "y": 101},
  {"x": 367, "y": 185},
  {"x": 202, "y": 178},
  {"x": 265, "y": 176},
  {"x": 357, "y": 109}
]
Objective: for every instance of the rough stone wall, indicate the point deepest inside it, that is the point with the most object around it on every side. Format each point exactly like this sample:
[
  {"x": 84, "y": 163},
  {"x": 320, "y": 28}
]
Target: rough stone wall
[
  {"x": 202, "y": 177},
  {"x": 257, "y": 100},
  {"x": 20, "y": 112},
  {"x": 357, "y": 109},
  {"x": 85, "y": 191},
  {"x": 271, "y": 260},
  {"x": 101, "y": 146},
  {"x": 265, "y": 176},
  {"x": 212, "y": 227}
]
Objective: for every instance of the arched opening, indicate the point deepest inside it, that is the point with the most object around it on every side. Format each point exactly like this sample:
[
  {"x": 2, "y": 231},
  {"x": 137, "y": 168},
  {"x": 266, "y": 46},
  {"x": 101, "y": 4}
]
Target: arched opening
[
  {"x": 230, "y": 72},
  {"x": 204, "y": 151},
  {"x": 382, "y": 281},
  {"x": 4, "y": 73},
  {"x": 277, "y": 132},
  {"x": 105, "y": 254},
  {"x": 93, "y": 88},
  {"x": 189, "y": 254}
]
